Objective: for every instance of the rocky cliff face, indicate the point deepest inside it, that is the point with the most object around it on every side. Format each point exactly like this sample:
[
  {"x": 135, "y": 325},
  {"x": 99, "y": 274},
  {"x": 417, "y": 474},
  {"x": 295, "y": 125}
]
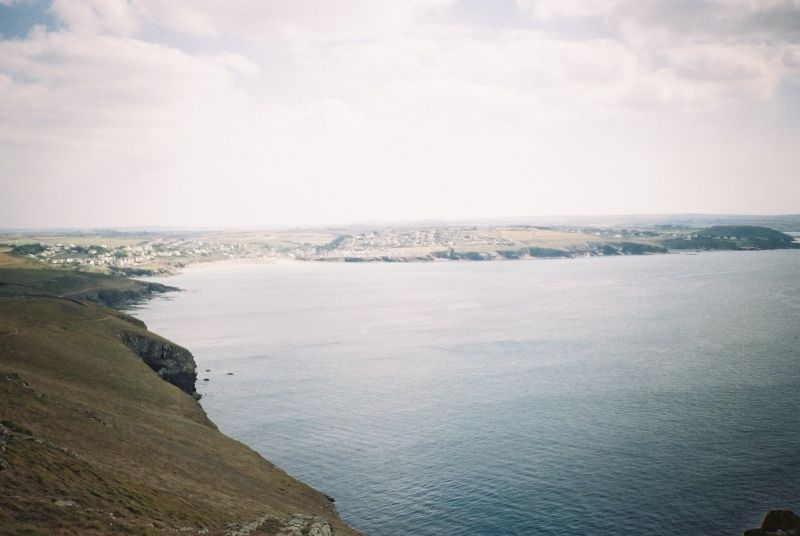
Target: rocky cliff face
[
  {"x": 171, "y": 362},
  {"x": 123, "y": 297},
  {"x": 93, "y": 442},
  {"x": 777, "y": 522}
]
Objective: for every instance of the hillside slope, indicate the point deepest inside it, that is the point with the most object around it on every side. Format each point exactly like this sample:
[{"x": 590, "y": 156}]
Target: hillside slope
[{"x": 93, "y": 441}]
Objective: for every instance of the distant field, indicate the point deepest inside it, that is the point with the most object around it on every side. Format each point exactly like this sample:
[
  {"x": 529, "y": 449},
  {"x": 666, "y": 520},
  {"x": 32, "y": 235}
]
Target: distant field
[
  {"x": 548, "y": 238},
  {"x": 77, "y": 239},
  {"x": 271, "y": 238},
  {"x": 12, "y": 261},
  {"x": 158, "y": 253}
]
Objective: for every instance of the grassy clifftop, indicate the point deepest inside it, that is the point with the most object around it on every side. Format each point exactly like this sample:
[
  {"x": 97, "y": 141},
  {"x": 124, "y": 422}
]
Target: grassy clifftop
[{"x": 93, "y": 441}]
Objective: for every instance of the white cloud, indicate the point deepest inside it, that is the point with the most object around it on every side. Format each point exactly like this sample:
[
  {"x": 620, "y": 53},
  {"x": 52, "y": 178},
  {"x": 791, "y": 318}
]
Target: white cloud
[
  {"x": 551, "y": 9},
  {"x": 97, "y": 16},
  {"x": 288, "y": 20},
  {"x": 295, "y": 112},
  {"x": 695, "y": 51},
  {"x": 95, "y": 115}
]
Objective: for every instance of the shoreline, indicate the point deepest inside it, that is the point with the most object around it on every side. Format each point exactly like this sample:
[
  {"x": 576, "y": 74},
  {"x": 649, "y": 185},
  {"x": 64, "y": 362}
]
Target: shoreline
[
  {"x": 105, "y": 409},
  {"x": 721, "y": 260},
  {"x": 135, "y": 255},
  {"x": 255, "y": 261}
]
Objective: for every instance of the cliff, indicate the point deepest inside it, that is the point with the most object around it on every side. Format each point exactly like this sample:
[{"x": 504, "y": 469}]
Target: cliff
[
  {"x": 93, "y": 440},
  {"x": 777, "y": 523},
  {"x": 171, "y": 362},
  {"x": 112, "y": 291}
]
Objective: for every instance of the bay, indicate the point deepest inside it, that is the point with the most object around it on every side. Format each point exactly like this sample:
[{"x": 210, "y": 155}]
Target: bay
[{"x": 612, "y": 395}]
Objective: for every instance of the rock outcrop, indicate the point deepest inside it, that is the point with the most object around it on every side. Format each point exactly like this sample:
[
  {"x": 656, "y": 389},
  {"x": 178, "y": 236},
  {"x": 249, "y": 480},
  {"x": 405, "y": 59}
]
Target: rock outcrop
[
  {"x": 120, "y": 298},
  {"x": 298, "y": 525},
  {"x": 171, "y": 362},
  {"x": 777, "y": 522}
]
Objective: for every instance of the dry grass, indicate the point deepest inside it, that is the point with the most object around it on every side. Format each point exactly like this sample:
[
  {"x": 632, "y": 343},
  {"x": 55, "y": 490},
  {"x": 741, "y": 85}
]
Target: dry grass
[
  {"x": 547, "y": 238},
  {"x": 132, "y": 453},
  {"x": 79, "y": 239},
  {"x": 7, "y": 261}
]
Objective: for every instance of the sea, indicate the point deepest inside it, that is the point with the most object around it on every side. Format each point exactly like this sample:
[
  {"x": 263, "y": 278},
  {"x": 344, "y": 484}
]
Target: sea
[{"x": 630, "y": 395}]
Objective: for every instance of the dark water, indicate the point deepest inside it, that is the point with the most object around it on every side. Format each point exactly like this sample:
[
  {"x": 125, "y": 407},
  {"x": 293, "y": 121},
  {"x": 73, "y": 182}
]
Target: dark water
[{"x": 605, "y": 396}]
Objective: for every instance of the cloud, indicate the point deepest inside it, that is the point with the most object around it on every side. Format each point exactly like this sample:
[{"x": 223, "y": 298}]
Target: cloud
[
  {"x": 309, "y": 20},
  {"x": 665, "y": 52},
  {"x": 97, "y": 16},
  {"x": 552, "y": 9},
  {"x": 704, "y": 50},
  {"x": 92, "y": 113},
  {"x": 659, "y": 20},
  {"x": 303, "y": 20},
  {"x": 256, "y": 112}
]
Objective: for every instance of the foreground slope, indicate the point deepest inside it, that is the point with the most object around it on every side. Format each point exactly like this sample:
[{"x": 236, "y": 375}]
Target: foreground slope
[{"x": 93, "y": 441}]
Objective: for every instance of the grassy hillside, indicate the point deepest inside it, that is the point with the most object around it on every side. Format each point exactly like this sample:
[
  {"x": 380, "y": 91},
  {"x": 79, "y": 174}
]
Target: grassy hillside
[
  {"x": 21, "y": 277},
  {"x": 92, "y": 441}
]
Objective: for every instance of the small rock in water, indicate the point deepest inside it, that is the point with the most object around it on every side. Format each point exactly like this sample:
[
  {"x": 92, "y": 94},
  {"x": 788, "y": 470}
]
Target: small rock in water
[
  {"x": 205, "y": 379},
  {"x": 777, "y": 522},
  {"x": 230, "y": 374},
  {"x": 208, "y": 370}
]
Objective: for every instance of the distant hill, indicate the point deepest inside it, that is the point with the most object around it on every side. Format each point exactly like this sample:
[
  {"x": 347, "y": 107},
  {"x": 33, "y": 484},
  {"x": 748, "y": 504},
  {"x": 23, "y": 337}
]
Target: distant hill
[{"x": 734, "y": 237}]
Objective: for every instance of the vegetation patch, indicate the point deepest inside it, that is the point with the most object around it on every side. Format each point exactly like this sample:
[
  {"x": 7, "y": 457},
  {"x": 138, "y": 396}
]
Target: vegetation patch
[{"x": 14, "y": 427}]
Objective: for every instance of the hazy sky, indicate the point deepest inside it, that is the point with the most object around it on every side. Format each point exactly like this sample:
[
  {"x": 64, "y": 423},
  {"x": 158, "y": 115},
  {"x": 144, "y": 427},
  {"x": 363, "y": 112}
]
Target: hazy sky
[{"x": 255, "y": 112}]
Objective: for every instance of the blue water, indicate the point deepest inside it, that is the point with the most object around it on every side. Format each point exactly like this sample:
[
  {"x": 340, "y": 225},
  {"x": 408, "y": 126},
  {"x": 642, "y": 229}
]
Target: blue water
[{"x": 604, "y": 396}]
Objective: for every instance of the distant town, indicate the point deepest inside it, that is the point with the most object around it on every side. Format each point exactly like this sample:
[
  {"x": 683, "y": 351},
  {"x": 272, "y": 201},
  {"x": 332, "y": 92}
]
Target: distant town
[{"x": 143, "y": 253}]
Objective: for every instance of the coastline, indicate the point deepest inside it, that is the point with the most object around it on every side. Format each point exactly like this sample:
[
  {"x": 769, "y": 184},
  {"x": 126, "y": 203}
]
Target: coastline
[
  {"x": 136, "y": 255},
  {"x": 256, "y": 261},
  {"x": 87, "y": 390},
  {"x": 723, "y": 259}
]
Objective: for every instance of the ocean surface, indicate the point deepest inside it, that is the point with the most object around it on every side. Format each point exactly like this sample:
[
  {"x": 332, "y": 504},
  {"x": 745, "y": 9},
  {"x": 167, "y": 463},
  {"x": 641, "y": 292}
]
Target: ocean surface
[{"x": 645, "y": 395}]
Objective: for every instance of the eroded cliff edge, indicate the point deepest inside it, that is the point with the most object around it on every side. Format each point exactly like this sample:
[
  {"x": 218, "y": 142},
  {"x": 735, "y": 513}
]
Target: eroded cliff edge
[
  {"x": 94, "y": 441},
  {"x": 171, "y": 362}
]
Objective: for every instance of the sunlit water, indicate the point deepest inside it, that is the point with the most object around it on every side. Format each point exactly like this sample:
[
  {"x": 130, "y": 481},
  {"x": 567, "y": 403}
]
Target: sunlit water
[{"x": 605, "y": 396}]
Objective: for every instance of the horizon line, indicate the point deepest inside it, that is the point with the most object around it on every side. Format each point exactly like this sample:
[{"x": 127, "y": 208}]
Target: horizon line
[{"x": 505, "y": 220}]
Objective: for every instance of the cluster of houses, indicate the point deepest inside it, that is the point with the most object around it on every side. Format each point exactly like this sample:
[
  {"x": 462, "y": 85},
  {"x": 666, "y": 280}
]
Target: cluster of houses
[
  {"x": 384, "y": 240},
  {"x": 177, "y": 250}
]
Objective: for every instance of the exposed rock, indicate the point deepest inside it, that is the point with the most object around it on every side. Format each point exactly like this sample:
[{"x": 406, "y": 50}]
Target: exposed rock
[
  {"x": 128, "y": 271},
  {"x": 4, "y": 434},
  {"x": 298, "y": 525},
  {"x": 307, "y": 526},
  {"x": 66, "y": 504},
  {"x": 13, "y": 377},
  {"x": 120, "y": 298},
  {"x": 777, "y": 522},
  {"x": 247, "y": 528},
  {"x": 173, "y": 363},
  {"x": 92, "y": 414},
  {"x": 780, "y": 520}
]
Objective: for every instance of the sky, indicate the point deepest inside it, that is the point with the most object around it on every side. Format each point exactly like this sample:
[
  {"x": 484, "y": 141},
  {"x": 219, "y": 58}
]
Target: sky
[{"x": 188, "y": 113}]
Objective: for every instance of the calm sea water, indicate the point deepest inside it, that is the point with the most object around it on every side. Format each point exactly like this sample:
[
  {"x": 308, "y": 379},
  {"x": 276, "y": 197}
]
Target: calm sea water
[{"x": 605, "y": 396}]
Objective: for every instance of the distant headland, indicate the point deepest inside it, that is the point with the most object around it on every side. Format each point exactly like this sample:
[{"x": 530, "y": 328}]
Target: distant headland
[{"x": 162, "y": 251}]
